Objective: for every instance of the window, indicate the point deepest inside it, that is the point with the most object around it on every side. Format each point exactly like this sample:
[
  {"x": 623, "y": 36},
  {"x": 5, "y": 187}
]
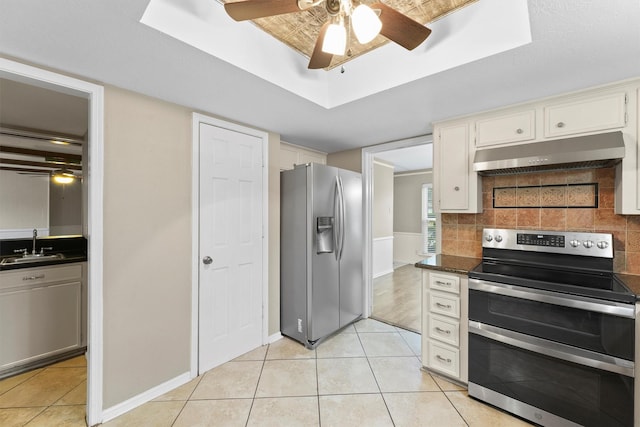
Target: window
[{"x": 428, "y": 221}]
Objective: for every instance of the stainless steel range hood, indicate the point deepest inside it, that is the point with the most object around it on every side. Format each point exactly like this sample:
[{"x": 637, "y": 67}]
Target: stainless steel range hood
[{"x": 592, "y": 151}]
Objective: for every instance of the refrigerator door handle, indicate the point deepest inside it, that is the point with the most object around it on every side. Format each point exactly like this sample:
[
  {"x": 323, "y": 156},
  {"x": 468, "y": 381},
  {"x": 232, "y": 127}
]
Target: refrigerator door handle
[
  {"x": 343, "y": 216},
  {"x": 336, "y": 221}
]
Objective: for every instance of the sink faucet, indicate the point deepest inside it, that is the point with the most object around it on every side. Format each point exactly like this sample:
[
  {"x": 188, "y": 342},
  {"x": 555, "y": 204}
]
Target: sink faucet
[{"x": 35, "y": 236}]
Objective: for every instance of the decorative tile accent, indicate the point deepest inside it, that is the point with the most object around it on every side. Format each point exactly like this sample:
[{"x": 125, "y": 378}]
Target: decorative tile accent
[
  {"x": 573, "y": 200},
  {"x": 547, "y": 196}
]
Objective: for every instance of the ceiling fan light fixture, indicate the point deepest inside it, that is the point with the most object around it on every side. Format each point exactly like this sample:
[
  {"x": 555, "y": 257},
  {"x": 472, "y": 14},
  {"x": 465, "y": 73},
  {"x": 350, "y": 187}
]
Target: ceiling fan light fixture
[
  {"x": 335, "y": 40},
  {"x": 366, "y": 24}
]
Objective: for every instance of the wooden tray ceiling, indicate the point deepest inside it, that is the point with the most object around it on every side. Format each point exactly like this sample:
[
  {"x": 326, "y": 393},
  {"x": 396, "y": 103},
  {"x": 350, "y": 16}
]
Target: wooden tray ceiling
[{"x": 300, "y": 30}]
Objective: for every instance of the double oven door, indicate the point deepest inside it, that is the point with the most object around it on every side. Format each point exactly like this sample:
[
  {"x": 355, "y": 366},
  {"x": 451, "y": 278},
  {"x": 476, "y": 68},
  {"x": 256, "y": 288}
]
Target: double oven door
[{"x": 553, "y": 358}]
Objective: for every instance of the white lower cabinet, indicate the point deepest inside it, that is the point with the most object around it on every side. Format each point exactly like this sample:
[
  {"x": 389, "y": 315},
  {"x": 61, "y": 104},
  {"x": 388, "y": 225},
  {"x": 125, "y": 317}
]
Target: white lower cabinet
[
  {"x": 40, "y": 313},
  {"x": 445, "y": 318}
]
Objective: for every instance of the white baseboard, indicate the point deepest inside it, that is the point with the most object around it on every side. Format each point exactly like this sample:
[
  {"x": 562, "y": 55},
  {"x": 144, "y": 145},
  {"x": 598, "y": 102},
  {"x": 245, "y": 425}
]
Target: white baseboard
[
  {"x": 382, "y": 273},
  {"x": 273, "y": 338},
  {"x": 144, "y": 397}
]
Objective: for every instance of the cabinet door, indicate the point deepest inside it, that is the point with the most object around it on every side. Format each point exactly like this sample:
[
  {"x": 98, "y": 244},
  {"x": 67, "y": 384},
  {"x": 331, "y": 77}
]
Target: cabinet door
[
  {"x": 309, "y": 157},
  {"x": 583, "y": 115},
  {"x": 454, "y": 167},
  {"x": 40, "y": 322},
  {"x": 288, "y": 157},
  {"x": 516, "y": 127}
]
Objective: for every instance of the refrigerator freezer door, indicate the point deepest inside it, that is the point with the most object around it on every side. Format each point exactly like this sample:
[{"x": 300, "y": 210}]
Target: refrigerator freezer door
[
  {"x": 351, "y": 276},
  {"x": 324, "y": 297},
  {"x": 294, "y": 234}
]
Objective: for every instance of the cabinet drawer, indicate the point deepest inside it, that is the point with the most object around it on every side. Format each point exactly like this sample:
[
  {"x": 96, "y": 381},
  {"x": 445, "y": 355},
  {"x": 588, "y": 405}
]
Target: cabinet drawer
[
  {"x": 444, "y": 359},
  {"x": 447, "y": 305},
  {"x": 584, "y": 115},
  {"x": 40, "y": 275},
  {"x": 445, "y": 330},
  {"x": 443, "y": 282},
  {"x": 514, "y": 127}
]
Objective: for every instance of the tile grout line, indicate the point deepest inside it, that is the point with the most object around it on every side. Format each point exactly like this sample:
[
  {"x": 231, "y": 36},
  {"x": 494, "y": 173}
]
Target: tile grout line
[
  {"x": 255, "y": 392},
  {"x": 318, "y": 388},
  {"x": 188, "y": 399},
  {"x": 375, "y": 379}
]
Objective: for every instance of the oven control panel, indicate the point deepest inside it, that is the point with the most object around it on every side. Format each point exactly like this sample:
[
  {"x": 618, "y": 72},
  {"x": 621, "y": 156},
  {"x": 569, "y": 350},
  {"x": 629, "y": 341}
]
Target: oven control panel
[{"x": 565, "y": 242}]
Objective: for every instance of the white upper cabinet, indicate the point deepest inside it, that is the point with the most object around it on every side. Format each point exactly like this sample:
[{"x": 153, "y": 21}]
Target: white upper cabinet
[
  {"x": 609, "y": 108},
  {"x": 506, "y": 128},
  {"x": 456, "y": 185},
  {"x": 586, "y": 114},
  {"x": 292, "y": 155}
]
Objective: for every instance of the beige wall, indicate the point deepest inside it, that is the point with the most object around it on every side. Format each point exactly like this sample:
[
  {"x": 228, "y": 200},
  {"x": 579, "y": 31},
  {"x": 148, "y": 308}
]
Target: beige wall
[
  {"x": 382, "y": 215},
  {"x": 147, "y": 243},
  {"x": 349, "y": 159},
  {"x": 274, "y": 233},
  {"x": 147, "y": 218},
  {"x": 407, "y": 201}
]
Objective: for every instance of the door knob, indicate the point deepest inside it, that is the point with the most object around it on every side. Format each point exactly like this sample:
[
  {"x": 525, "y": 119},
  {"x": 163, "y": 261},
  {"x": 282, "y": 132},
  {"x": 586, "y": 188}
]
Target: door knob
[{"x": 207, "y": 260}]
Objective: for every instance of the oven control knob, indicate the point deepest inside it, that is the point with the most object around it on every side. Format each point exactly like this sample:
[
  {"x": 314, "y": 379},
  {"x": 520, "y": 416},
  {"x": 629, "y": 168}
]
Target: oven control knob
[
  {"x": 587, "y": 244},
  {"x": 574, "y": 243},
  {"x": 488, "y": 238},
  {"x": 498, "y": 238},
  {"x": 603, "y": 245}
]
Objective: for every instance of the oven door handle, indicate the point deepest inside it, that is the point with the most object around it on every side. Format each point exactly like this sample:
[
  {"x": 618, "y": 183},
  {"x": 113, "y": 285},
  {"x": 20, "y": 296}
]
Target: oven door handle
[
  {"x": 539, "y": 295},
  {"x": 554, "y": 349}
]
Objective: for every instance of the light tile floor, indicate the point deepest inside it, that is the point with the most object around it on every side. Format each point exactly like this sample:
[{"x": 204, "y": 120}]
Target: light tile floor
[
  {"x": 51, "y": 396},
  {"x": 368, "y": 375}
]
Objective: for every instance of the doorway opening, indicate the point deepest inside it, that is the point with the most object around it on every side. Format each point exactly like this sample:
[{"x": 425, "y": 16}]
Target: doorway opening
[
  {"x": 398, "y": 228},
  {"x": 91, "y": 170}
]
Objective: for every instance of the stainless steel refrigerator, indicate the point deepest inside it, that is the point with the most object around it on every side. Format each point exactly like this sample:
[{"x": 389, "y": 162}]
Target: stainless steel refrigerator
[{"x": 321, "y": 246}]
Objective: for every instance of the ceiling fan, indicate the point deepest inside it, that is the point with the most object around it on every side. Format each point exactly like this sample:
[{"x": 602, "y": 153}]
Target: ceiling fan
[{"x": 365, "y": 21}]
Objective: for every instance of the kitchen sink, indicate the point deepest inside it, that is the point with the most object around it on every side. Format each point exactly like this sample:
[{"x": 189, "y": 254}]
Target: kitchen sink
[{"x": 31, "y": 259}]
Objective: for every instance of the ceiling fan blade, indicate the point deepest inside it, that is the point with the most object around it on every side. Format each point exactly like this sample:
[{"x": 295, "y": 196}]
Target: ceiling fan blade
[
  {"x": 252, "y": 9},
  {"x": 320, "y": 59},
  {"x": 400, "y": 28}
]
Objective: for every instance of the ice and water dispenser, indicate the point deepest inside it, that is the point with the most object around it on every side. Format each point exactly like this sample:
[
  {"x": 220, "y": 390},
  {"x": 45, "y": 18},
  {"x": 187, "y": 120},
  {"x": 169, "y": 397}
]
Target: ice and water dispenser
[{"x": 324, "y": 234}]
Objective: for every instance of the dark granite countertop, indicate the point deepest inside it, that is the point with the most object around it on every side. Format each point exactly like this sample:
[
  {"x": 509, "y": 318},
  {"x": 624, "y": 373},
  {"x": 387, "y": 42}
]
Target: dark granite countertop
[
  {"x": 462, "y": 265},
  {"x": 632, "y": 282},
  {"x": 71, "y": 248},
  {"x": 449, "y": 263},
  {"x": 68, "y": 259}
]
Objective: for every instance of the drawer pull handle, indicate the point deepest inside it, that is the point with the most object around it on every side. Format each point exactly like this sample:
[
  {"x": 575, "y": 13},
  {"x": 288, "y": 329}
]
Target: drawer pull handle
[
  {"x": 560, "y": 124},
  {"x": 442, "y": 359},
  {"x": 443, "y": 331},
  {"x": 447, "y": 306},
  {"x": 39, "y": 276},
  {"x": 519, "y": 131},
  {"x": 441, "y": 283}
]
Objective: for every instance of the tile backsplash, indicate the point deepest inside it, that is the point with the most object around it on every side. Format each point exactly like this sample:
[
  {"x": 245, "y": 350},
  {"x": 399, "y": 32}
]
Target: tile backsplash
[{"x": 462, "y": 233}]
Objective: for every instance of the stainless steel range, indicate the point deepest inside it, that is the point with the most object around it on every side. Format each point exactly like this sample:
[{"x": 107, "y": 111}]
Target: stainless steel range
[{"x": 551, "y": 329}]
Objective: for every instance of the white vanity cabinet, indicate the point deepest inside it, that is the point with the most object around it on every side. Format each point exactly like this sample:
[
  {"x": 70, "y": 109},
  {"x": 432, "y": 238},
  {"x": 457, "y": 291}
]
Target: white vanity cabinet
[
  {"x": 40, "y": 313},
  {"x": 445, "y": 318},
  {"x": 456, "y": 187}
]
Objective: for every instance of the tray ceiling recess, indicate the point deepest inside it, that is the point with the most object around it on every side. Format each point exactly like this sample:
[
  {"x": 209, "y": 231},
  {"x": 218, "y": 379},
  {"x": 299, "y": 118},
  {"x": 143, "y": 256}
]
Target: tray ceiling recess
[{"x": 300, "y": 29}]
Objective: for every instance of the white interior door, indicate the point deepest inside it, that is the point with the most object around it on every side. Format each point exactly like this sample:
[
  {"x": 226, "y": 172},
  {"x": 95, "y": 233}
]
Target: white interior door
[{"x": 231, "y": 254}]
